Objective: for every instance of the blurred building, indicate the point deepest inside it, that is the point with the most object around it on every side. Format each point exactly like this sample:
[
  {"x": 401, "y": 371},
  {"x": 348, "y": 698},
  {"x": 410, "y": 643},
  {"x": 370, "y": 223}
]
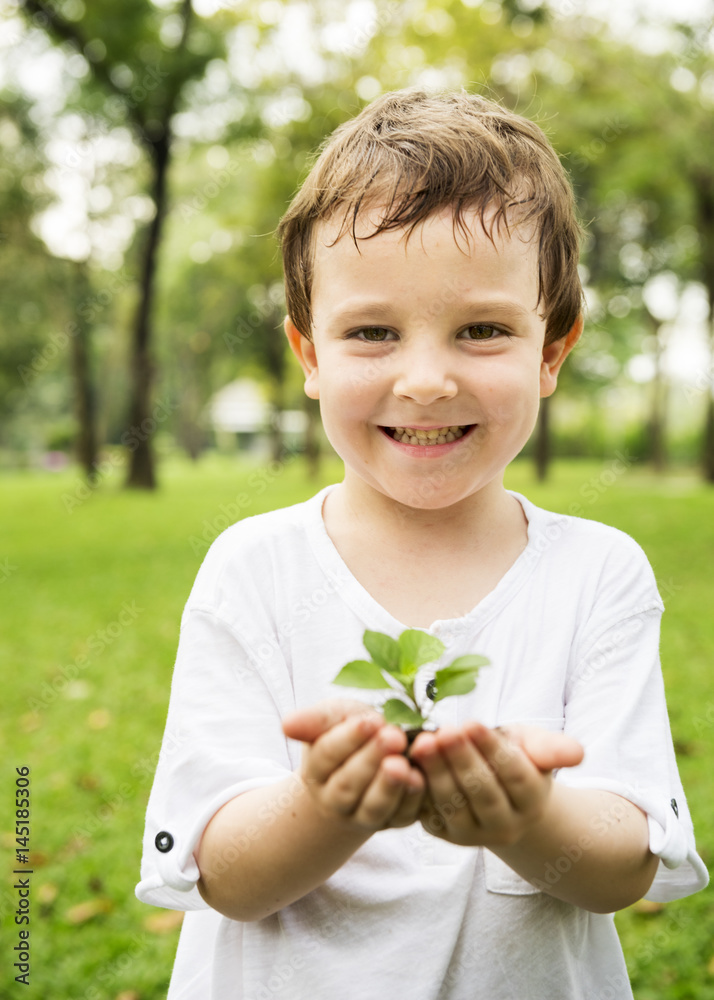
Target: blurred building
[{"x": 241, "y": 415}]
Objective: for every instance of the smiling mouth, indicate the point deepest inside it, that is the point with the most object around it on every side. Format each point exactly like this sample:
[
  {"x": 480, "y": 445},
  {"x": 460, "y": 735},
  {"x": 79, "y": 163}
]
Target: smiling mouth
[{"x": 439, "y": 435}]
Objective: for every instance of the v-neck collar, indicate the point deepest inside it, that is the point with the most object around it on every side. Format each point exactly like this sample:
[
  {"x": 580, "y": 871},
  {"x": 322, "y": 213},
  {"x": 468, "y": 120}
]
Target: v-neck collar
[{"x": 376, "y": 617}]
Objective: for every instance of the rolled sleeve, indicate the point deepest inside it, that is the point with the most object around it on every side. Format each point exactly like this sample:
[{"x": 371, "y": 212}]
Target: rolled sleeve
[
  {"x": 615, "y": 707},
  {"x": 223, "y": 737}
]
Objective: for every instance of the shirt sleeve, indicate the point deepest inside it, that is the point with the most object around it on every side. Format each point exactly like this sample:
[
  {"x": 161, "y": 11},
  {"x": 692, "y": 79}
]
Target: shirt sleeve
[
  {"x": 223, "y": 737},
  {"x": 615, "y": 707}
]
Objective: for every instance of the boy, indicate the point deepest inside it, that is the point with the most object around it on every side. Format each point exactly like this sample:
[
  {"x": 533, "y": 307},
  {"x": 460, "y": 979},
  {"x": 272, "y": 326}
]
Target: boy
[{"x": 431, "y": 275}]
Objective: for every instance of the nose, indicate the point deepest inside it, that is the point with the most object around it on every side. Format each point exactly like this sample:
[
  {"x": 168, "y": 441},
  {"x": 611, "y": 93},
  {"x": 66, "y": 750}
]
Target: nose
[{"x": 425, "y": 376}]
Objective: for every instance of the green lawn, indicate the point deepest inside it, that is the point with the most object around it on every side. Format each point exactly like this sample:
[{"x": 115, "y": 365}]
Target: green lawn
[{"x": 92, "y": 586}]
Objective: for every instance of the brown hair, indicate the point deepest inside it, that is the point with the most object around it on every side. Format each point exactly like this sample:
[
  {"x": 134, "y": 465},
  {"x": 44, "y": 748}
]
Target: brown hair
[{"x": 415, "y": 154}]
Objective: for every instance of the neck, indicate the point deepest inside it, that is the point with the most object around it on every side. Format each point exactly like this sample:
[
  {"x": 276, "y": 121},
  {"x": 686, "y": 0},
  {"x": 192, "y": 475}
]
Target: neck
[{"x": 355, "y": 507}]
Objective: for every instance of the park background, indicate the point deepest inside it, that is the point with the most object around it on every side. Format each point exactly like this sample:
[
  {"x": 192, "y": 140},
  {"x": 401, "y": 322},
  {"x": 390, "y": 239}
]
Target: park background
[{"x": 147, "y": 399}]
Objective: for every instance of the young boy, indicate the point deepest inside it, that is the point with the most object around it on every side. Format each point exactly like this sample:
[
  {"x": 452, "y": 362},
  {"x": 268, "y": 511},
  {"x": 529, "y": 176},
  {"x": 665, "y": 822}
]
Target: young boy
[{"x": 433, "y": 295}]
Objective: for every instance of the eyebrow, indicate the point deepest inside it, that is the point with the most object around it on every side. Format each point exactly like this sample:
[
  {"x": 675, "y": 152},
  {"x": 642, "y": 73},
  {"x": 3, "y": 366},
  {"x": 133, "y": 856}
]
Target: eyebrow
[{"x": 385, "y": 311}]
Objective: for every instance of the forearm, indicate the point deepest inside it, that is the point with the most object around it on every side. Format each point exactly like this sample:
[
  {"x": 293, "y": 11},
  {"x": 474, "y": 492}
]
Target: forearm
[
  {"x": 269, "y": 847},
  {"x": 589, "y": 848}
]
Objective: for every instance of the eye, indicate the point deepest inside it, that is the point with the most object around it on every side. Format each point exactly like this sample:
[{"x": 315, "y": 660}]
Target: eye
[
  {"x": 483, "y": 331},
  {"x": 372, "y": 334}
]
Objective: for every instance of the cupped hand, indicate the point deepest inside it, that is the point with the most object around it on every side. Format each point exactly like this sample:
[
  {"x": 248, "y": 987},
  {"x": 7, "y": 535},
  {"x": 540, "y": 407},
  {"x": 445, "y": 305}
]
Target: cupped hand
[
  {"x": 353, "y": 765},
  {"x": 487, "y": 787}
]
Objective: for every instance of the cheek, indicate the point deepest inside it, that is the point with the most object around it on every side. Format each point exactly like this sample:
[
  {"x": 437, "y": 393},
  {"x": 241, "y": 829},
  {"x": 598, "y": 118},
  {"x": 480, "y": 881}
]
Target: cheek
[{"x": 511, "y": 396}]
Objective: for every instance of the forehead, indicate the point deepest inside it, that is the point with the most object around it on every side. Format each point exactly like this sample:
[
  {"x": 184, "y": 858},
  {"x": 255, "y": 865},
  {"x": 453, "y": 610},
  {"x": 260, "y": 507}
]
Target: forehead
[{"x": 481, "y": 256}]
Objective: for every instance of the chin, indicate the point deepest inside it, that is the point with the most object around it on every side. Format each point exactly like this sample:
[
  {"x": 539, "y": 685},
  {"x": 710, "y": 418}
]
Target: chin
[{"x": 428, "y": 496}]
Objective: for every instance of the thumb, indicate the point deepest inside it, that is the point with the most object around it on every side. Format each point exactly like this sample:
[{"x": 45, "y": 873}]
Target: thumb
[
  {"x": 308, "y": 724},
  {"x": 547, "y": 750}
]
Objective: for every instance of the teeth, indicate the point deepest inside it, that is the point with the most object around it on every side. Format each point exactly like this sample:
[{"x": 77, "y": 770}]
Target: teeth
[{"x": 440, "y": 435}]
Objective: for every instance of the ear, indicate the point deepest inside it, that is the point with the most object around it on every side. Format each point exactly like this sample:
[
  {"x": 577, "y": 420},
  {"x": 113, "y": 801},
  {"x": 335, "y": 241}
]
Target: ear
[
  {"x": 555, "y": 354},
  {"x": 304, "y": 351}
]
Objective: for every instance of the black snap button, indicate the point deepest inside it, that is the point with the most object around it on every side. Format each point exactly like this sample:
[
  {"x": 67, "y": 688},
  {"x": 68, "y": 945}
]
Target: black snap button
[
  {"x": 164, "y": 842},
  {"x": 431, "y": 690},
  {"x": 673, "y": 804}
]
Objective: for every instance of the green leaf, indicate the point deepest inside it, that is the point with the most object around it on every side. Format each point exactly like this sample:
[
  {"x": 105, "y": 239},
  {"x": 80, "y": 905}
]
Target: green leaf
[
  {"x": 455, "y": 680},
  {"x": 361, "y": 674},
  {"x": 383, "y": 649},
  {"x": 400, "y": 714},
  {"x": 469, "y": 662},
  {"x": 417, "y": 648}
]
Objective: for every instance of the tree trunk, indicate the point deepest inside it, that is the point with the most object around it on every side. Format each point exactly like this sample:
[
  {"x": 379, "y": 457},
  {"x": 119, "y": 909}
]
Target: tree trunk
[
  {"x": 189, "y": 433},
  {"x": 274, "y": 342},
  {"x": 704, "y": 186},
  {"x": 84, "y": 398},
  {"x": 708, "y": 449},
  {"x": 312, "y": 438},
  {"x": 155, "y": 136},
  {"x": 141, "y": 465},
  {"x": 277, "y": 441},
  {"x": 658, "y": 449},
  {"x": 542, "y": 440}
]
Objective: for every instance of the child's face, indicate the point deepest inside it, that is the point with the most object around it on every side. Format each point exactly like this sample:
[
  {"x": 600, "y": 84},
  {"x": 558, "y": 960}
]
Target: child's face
[{"x": 427, "y": 336}]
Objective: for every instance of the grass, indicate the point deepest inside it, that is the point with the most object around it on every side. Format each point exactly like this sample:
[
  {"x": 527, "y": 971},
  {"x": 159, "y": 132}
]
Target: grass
[{"x": 92, "y": 595}]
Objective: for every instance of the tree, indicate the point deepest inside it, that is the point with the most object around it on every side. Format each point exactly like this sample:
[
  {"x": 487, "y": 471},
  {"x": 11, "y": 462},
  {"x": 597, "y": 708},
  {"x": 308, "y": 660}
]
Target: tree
[{"x": 123, "y": 43}]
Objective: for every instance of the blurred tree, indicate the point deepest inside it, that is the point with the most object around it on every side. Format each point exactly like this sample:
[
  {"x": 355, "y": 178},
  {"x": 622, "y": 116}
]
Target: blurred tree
[
  {"x": 123, "y": 44},
  {"x": 606, "y": 105},
  {"x": 238, "y": 127},
  {"x": 84, "y": 393},
  {"x": 32, "y": 337}
]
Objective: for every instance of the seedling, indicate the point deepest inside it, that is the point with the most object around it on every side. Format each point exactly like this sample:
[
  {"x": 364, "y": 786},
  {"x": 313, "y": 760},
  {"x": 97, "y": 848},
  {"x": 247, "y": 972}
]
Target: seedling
[{"x": 394, "y": 667}]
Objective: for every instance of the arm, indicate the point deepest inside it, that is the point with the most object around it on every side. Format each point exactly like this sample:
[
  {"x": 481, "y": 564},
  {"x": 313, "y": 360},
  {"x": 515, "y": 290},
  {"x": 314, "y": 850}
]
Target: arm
[
  {"x": 585, "y": 847},
  {"x": 270, "y": 846}
]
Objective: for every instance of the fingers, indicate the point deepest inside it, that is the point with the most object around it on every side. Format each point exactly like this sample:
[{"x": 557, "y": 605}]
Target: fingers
[
  {"x": 547, "y": 750},
  {"x": 506, "y": 764},
  {"x": 307, "y": 724},
  {"x": 332, "y": 750},
  {"x": 483, "y": 789},
  {"x": 357, "y": 772},
  {"x": 354, "y": 766},
  {"x": 393, "y": 798},
  {"x": 486, "y": 786}
]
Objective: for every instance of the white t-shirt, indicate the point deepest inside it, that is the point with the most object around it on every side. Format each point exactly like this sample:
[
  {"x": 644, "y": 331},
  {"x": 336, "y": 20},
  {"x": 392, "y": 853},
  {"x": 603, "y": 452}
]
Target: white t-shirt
[{"x": 572, "y": 633}]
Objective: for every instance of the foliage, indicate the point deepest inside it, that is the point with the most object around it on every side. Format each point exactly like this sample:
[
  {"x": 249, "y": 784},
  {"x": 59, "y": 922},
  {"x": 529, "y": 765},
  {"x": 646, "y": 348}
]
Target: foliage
[
  {"x": 629, "y": 125},
  {"x": 395, "y": 663}
]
